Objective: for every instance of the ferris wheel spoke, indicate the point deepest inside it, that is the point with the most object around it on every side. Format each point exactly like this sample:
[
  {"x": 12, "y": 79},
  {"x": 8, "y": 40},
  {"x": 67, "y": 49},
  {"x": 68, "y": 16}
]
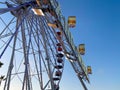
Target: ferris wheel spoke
[
  {"x": 10, "y": 39},
  {"x": 38, "y": 39},
  {"x": 51, "y": 45},
  {"x": 6, "y": 25},
  {"x": 11, "y": 66},
  {"x": 5, "y": 10},
  {"x": 39, "y": 75},
  {"x": 2, "y": 2}
]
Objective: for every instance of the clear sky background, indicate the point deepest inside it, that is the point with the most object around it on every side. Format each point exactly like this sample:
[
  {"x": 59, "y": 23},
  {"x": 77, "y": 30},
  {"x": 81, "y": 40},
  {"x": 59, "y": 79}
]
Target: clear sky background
[{"x": 98, "y": 26}]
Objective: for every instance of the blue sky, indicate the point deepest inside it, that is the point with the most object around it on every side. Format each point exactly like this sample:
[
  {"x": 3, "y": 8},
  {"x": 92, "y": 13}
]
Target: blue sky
[{"x": 98, "y": 26}]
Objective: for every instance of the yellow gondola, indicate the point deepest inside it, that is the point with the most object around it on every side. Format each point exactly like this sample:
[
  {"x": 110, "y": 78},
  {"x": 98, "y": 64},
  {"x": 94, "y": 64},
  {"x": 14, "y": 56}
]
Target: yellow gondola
[
  {"x": 38, "y": 2},
  {"x": 81, "y": 49},
  {"x": 52, "y": 25},
  {"x": 38, "y": 11},
  {"x": 89, "y": 70},
  {"x": 72, "y": 21}
]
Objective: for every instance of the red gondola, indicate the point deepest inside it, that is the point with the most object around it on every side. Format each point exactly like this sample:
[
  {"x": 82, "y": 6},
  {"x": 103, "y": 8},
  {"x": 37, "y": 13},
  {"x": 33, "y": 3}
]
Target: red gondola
[{"x": 59, "y": 49}]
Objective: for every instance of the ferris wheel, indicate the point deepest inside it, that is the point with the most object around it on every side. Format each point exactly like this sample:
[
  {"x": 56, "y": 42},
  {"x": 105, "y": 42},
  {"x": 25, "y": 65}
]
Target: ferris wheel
[{"x": 35, "y": 41}]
